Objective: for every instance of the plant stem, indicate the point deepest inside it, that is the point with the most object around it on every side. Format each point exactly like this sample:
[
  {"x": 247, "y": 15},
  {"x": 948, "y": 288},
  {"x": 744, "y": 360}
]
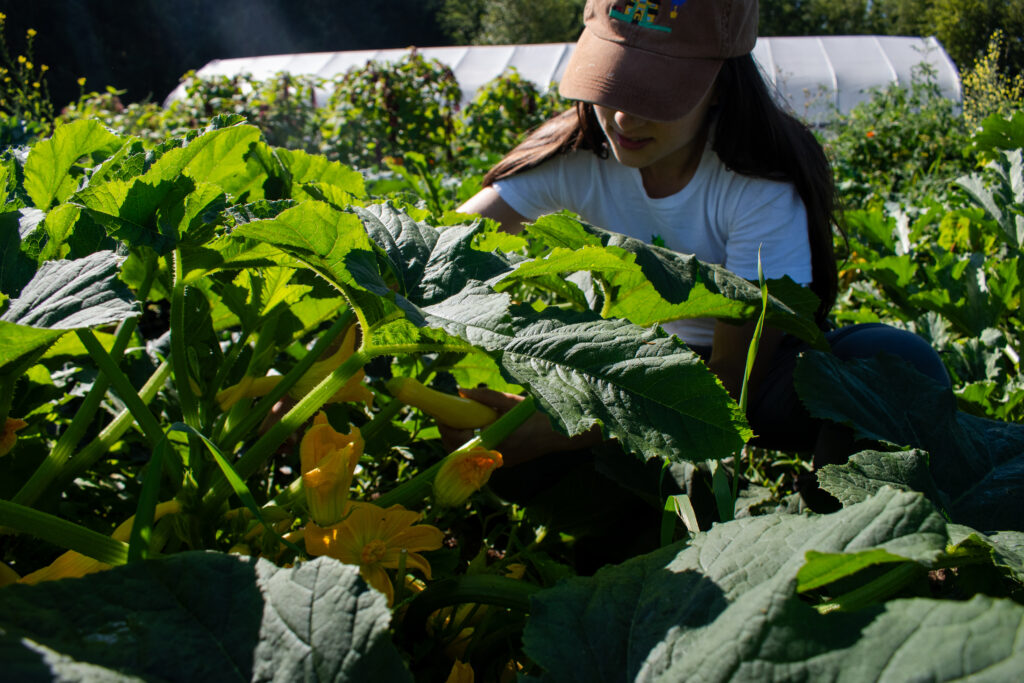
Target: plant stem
[
  {"x": 63, "y": 533},
  {"x": 50, "y": 468},
  {"x": 263, "y": 406},
  {"x": 265, "y": 446},
  {"x": 412, "y": 492},
  {"x": 95, "y": 449},
  {"x": 141, "y": 412}
]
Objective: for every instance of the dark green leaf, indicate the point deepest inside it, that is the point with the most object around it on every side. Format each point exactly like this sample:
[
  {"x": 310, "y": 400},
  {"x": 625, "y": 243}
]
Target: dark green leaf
[
  {"x": 47, "y": 170},
  {"x": 201, "y": 616},
  {"x": 868, "y": 471},
  {"x": 977, "y": 464},
  {"x": 72, "y": 294},
  {"x": 725, "y": 608}
]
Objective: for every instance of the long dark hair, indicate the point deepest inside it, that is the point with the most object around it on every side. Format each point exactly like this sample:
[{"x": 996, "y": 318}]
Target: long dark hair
[{"x": 753, "y": 136}]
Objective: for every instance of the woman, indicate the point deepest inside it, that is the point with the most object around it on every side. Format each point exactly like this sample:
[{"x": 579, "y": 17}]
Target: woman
[{"x": 675, "y": 134}]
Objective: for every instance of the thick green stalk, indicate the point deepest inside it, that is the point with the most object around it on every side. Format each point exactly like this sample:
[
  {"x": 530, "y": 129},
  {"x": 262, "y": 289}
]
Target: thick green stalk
[
  {"x": 179, "y": 351},
  {"x": 875, "y": 591},
  {"x": 252, "y": 420},
  {"x": 50, "y": 467},
  {"x": 414, "y": 491},
  {"x": 105, "y": 440},
  {"x": 254, "y": 458},
  {"x": 63, "y": 533},
  {"x": 149, "y": 424}
]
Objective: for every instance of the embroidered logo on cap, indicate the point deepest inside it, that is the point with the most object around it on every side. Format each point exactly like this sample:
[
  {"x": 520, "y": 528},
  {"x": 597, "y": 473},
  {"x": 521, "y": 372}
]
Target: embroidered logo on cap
[{"x": 643, "y": 13}]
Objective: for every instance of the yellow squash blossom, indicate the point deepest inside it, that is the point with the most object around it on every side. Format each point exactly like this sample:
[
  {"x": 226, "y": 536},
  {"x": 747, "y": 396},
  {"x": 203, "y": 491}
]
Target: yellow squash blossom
[
  {"x": 463, "y": 473},
  {"x": 72, "y": 565},
  {"x": 373, "y": 538},
  {"x": 461, "y": 673},
  {"x": 354, "y": 389},
  {"x": 9, "y": 434},
  {"x": 329, "y": 460},
  {"x": 7, "y": 575}
]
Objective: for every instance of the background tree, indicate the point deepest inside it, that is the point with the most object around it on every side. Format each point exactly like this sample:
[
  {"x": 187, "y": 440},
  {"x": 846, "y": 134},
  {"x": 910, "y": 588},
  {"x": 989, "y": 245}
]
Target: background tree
[
  {"x": 511, "y": 22},
  {"x": 964, "y": 28}
]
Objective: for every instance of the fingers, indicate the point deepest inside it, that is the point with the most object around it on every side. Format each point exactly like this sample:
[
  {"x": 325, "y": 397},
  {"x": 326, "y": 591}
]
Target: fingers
[{"x": 498, "y": 400}]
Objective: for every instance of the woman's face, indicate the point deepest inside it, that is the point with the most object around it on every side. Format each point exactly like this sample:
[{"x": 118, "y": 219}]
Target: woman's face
[{"x": 664, "y": 149}]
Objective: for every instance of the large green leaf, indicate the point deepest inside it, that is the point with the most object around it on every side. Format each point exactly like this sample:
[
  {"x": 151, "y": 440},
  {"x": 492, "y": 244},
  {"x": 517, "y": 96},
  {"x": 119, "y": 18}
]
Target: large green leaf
[
  {"x": 218, "y": 157},
  {"x": 16, "y": 265},
  {"x": 309, "y": 168},
  {"x": 868, "y": 471},
  {"x": 47, "y": 169},
  {"x": 726, "y": 608},
  {"x": 18, "y": 341},
  {"x": 646, "y": 389},
  {"x": 647, "y": 284},
  {"x": 977, "y": 464},
  {"x": 69, "y": 295},
  {"x": 201, "y": 616}
]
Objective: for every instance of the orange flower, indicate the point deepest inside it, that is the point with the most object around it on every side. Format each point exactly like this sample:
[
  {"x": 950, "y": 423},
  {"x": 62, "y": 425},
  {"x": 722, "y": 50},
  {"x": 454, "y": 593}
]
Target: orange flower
[
  {"x": 463, "y": 473},
  {"x": 871, "y": 134},
  {"x": 354, "y": 389},
  {"x": 374, "y": 538},
  {"x": 329, "y": 460},
  {"x": 8, "y": 435}
]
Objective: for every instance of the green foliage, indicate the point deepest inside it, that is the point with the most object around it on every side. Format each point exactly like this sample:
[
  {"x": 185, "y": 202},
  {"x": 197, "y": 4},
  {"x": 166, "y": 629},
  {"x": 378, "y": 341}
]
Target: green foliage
[
  {"x": 988, "y": 90},
  {"x": 145, "y": 272},
  {"x": 903, "y": 144},
  {"x": 508, "y": 22},
  {"x": 950, "y": 269},
  {"x": 382, "y": 110},
  {"x": 814, "y": 600},
  {"x": 964, "y": 28},
  {"x": 501, "y": 113}
]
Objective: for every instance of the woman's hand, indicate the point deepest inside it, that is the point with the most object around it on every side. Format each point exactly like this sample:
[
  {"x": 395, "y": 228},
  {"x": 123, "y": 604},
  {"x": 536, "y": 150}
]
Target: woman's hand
[{"x": 534, "y": 438}]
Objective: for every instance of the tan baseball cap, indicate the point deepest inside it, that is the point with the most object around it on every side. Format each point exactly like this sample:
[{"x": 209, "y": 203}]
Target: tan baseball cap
[{"x": 656, "y": 60}]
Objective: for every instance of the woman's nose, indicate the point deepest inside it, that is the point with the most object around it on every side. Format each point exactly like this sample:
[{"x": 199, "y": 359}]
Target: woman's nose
[{"x": 626, "y": 121}]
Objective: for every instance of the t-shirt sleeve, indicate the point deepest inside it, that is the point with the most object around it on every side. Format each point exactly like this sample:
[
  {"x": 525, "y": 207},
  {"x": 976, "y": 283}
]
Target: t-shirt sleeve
[
  {"x": 536, "y": 192},
  {"x": 770, "y": 216}
]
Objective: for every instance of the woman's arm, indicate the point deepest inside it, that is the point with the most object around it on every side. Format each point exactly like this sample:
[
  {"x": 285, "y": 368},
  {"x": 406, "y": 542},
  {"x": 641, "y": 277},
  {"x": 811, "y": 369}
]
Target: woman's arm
[{"x": 489, "y": 204}]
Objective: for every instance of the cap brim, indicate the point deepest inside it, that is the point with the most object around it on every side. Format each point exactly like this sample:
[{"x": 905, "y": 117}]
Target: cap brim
[{"x": 639, "y": 82}]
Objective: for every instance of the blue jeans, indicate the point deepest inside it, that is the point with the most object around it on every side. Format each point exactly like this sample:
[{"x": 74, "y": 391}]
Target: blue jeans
[{"x": 776, "y": 414}]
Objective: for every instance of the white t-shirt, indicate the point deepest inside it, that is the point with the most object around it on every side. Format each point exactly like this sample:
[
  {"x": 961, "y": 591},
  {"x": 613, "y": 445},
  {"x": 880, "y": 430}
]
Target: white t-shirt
[{"x": 720, "y": 216}]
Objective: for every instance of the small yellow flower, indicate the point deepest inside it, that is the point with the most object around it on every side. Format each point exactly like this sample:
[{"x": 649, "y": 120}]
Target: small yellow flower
[
  {"x": 462, "y": 672},
  {"x": 35, "y": 84},
  {"x": 462, "y": 474},
  {"x": 21, "y": 59},
  {"x": 44, "y": 68},
  {"x": 374, "y": 538},
  {"x": 7, "y": 575},
  {"x": 8, "y": 435},
  {"x": 31, "y": 33},
  {"x": 2, "y": 17},
  {"x": 28, "y": 65},
  {"x": 354, "y": 389},
  {"x": 329, "y": 460},
  {"x": 81, "y": 81},
  {"x": 72, "y": 565}
]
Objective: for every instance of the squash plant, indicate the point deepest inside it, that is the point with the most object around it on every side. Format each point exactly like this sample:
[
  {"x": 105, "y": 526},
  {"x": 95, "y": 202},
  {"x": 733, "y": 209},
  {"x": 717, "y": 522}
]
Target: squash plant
[{"x": 173, "y": 318}]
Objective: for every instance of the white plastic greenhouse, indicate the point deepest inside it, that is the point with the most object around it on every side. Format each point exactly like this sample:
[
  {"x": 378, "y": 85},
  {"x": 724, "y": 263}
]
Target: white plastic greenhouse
[{"x": 815, "y": 75}]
